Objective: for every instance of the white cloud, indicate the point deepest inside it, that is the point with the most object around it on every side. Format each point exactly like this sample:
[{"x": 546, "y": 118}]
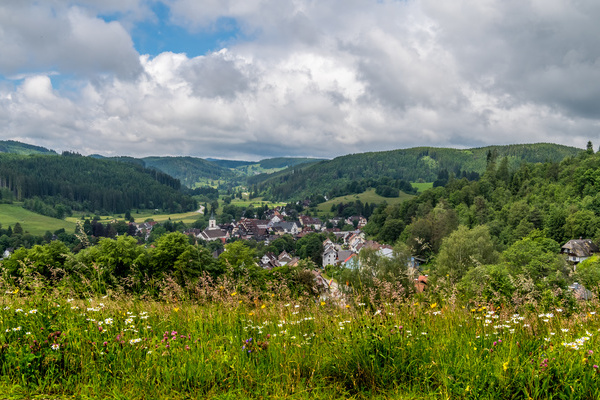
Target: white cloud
[
  {"x": 37, "y": 37},
  {"x": 306, "y": 77}
]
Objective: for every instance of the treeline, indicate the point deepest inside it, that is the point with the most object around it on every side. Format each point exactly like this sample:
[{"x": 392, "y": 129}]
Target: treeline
[
  {"x": 123, "y": 265},
  {"x": 59, "y": 185},
  {"x": 503, "y": 232},
  {"x": 414, "y": 165}
]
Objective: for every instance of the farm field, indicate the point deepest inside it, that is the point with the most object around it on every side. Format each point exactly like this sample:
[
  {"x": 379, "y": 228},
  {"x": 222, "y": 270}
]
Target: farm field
[
  {"x": 369, "y": 196},
  {"x": 421, "y": 187},
  {"x": 268, "y": 346},
  {"x": 31, "y": 222}
]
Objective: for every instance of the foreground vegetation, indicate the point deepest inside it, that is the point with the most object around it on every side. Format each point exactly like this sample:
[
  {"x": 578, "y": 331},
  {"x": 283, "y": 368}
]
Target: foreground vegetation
[{"x": 267, "y": 345}]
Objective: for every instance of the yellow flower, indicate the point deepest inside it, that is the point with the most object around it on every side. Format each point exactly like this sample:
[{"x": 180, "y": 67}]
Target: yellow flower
[
  {"x": 433, "y": 305},
  {"x": 347, "y": 305},
  {"x": 416, "y": 304},
  {"x": 251, "y": 314},
  {"x": 16, "y": 291},
  {"x": 263, "y": 306},
  {"x": 176, "y": 309},
  {"x": 322, "y": 303},
  {"x": 234, "y": 293},
  {"x": 240, "y": 302},
  {"x": 505, "y": 365}
]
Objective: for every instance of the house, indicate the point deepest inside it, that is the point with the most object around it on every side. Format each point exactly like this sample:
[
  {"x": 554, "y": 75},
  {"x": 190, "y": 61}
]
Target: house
[
  {"x": 307, "y": 222},
  {"x": 284, "y": 258},
  {"x": 284, "y": 227},
  {"x": 580, "y": 292},
  {"x": 578, "y": 250},
  {"x": 269, "y": 261},
  {"x": 213, "y": 232}
]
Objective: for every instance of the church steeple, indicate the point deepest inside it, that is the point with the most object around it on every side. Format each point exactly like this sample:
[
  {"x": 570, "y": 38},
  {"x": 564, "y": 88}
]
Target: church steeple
[{"x": 212, "y": 222}]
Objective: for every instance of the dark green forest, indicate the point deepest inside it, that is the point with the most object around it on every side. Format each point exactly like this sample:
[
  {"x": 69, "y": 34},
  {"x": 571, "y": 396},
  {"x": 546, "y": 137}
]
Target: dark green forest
[
  {"x": 421, "y": 164},
  {"x": 57, "y": 185}
]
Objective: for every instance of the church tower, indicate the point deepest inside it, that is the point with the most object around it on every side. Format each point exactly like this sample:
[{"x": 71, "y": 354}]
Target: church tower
[{"x": 212, "y": 222}]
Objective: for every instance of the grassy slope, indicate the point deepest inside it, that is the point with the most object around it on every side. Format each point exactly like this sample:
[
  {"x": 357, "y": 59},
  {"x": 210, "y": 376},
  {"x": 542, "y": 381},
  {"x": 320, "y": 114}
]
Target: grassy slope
[
  {"x": 421, "y": 187},
  {"x": 368, "y": 196},
  {"x": 31, "y": 222}
]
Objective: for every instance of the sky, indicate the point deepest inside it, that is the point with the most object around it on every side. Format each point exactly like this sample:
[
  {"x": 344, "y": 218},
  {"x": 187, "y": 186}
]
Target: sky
[{"x": 253, "y": 79}]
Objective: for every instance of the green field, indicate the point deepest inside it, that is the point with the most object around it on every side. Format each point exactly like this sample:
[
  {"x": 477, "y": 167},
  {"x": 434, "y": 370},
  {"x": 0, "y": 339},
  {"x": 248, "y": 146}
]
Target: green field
[
  {"x": 234, "y": 346},
  {"x": 31, "y": 222},
  {"x": 187, "y": 217},
  {"x": 368, "y": 196},
  {"x": 422, "y": 186},
  {"x": 255, "y": 202}
]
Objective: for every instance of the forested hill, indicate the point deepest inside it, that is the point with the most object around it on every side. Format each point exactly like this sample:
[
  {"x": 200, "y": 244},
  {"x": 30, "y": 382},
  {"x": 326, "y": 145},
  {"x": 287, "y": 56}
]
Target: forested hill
[
  {"x": 11, "y": 146},
  {"x": 84, "y": 183},
  {"x": 189, "y": 170},
  {"x": 332, "y": 178},
  {"x": 561, "y": 200}
]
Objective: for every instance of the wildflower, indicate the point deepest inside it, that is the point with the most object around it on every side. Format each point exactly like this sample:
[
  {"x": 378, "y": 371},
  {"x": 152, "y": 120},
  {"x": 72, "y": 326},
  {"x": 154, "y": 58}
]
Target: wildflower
[
  {"x": 505, "y": 365},
  {"x": 322, "y": 303},
  {"x": 55, "y": 346},
  {"x": 263, "y": 306},
  {"x": 176, "y": 309},
  {"x": 18, "y": 310},
  {"x": 32, "y": 311},
  {"x": 128, "y": 321},
  {"x": 108, "y": 321},
  {"x": 559, "y": 310},
  {"x": 234, "y": 293},
  {"x": 433, "y": 305},
  {"x": 134, "y": 341}
]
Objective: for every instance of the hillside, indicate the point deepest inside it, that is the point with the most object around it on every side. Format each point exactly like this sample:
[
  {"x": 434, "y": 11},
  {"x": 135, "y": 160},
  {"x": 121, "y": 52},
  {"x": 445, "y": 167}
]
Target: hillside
[
  {"x": 561, "y": 200},
  {"x": 13, "y": 147},
  {"x": 56, "y": 185},
  {"x": 425, "y": 164},
  {"x": 189, "y": 170}
]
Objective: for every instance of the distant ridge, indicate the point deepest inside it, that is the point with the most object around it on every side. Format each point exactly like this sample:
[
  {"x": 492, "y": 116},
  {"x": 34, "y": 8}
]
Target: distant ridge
[
  {"x": 419, "y": 164},
  {"x": 14, "y": 147}
]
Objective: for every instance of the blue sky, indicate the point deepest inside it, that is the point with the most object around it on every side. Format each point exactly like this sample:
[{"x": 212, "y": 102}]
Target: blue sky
[
  {"x": 160, "y": 34},
  {"x": 250, "y": 79}
]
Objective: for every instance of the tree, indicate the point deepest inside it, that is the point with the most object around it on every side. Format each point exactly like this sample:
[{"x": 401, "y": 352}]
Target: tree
[
  {"x": 238, "y": 259},
  {"x": 18, "y": 230},
  {"x": 589, "y": 149},
  {"x": 463, "y": 250}
]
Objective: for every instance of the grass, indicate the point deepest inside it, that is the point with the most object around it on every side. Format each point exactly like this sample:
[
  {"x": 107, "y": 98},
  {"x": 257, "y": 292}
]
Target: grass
[
  {"x": 421, "y": 187},
  {"x": 256, "y": 202},
  {"x": 31, "y": 222},
  {"x": 369, "y": 196},
  {"x": 237, "y": 347}
]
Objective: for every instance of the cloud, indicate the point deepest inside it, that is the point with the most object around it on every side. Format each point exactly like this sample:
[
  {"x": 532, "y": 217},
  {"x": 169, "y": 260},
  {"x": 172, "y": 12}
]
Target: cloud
[
  {"x": 304, "y": 77},
  {"x": 37, "y": 37}
]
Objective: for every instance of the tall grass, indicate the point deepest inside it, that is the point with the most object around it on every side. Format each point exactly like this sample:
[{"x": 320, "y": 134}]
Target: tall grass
[{"x": 271, "y": 347}]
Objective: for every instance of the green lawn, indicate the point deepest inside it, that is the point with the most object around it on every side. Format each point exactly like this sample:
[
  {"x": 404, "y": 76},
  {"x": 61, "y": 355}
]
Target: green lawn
[
  {"x": 31, "y": 222},
  {"x": 256, "y": 202},
  {"x": 368, "y": 196},
  {"x": 421, "y": 187},
  {"x": 187, "y": 217}
]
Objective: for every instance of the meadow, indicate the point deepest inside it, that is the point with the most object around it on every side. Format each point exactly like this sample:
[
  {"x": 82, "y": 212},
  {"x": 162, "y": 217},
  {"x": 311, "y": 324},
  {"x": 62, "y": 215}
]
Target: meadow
[
  {"x": 31, "y": 222},
  {"x": 268, "y": 345},
  {"x": 368, "y": 196}
]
